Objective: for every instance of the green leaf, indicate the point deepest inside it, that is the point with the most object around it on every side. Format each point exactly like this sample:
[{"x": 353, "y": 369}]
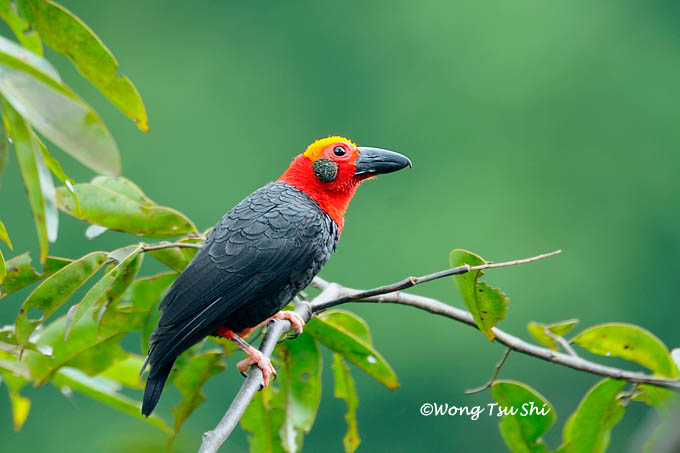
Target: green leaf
[
  {"x": 110, "y": 286},
  {"x": 560, "y": 329},
  {"x": 350, "y": 322},
  {"x": 126, "y": 372},
  {"x": 145, "y": 294},
  {"x": 104, "y": 391},
  {"x": 346, "y": 390},
  {"x": 4, "y": 236},
  {"x": 15, "y": 376},
  {"x": 54, "y": 291},
  {"x": 21, "y": 29},
  {"x": 34, "y": 60},
  {"x": 3, "y": 269},
  {"x": 102, "y": 206},
  {"x": 665, "y": 437},
  {"x": 20, "y": 273},
  {"x": 121, "y": 282},
  {"x": 177, "y": 258},
  {"x": 20, "y": 404},
  {"x": 93, "y": 231},
  {"x": 90, "y": 348},
  {"x": 301, "y": 364},
  {"x": 28, "y": 82},
  {"x": 589, "y": 427},
  {"x": 10, "y": 363},
  {"x": 123, "y": 319},
  {"x": 280, "y": 414},
  {"x": 263, "y": 419},
  {"x": 48, "y": 192},
  {"x": 190, "y": 380},
  {"x": 55, "y": 167},
  {"x": 69, "y": 36},
  {"x": 337, "y": 338},
  {"x": 633, "y": 343},
  {"x": 629, "y": 342},
  {"x": 173, "y": 257},
  {"x": 26, "y": 155},
  {"x": 4, "y": 148},
  {"x": 9, "y": 345},
  {"x": 533, "y": 416},
  {"x": 125, "y": 187},
  {"x": 654, "y": 396},
  {"x": 488, "y": 305},
  {"x": 661, "y": 399}
]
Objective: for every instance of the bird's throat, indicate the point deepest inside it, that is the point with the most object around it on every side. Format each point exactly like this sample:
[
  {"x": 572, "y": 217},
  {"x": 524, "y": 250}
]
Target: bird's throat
[{"x": 333, "y": 198}]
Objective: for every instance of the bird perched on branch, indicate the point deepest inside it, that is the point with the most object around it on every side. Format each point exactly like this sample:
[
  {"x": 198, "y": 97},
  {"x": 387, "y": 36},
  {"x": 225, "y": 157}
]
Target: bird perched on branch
[{"x": 260, "y": 255}]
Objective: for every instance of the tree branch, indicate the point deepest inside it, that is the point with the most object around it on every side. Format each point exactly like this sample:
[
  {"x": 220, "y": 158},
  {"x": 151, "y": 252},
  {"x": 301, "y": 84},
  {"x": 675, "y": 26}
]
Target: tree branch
[
  {"x": 439, "y": 308},
  {"x": 496, "y": 372},
  {"x": 333, "y": 294},
  {"x": 561, "y": 341},
  {"x": 212, "y": 440},
  {"x": 413, "y": 281},
  {"x": 167, "y": 245}
]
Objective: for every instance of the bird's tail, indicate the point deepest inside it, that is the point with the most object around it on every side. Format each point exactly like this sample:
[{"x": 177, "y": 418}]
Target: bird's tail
[{"x": 154, "y": 387}]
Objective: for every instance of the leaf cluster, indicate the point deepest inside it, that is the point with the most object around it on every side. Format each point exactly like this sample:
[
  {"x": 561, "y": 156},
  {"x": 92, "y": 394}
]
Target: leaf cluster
[
  {"x": 588, "y": 428},
  {"x": 81, "y": 350}
]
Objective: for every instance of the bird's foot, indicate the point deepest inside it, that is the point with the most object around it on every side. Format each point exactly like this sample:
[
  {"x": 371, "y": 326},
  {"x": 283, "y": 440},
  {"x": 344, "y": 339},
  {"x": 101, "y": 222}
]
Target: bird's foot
[
  {"x": 295, "y": 319},
  {"x": 255, "y": 357}
]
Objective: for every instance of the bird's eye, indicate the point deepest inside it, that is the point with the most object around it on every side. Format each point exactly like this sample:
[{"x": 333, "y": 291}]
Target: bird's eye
[{"x": 339, "y": 151}]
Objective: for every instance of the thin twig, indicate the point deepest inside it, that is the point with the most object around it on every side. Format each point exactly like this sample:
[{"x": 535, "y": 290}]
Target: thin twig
[
  {"x": 413, "y": 281},
  {"x": 561, "y": 341},
  {"x": 499, "y": 365},
  {"x": 626, "y": 397},
  {"x": 167, "y": 245}
]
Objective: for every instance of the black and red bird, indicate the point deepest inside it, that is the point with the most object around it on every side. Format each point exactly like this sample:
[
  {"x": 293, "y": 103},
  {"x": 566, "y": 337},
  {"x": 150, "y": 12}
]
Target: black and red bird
[{"x": 261, "y": 254}]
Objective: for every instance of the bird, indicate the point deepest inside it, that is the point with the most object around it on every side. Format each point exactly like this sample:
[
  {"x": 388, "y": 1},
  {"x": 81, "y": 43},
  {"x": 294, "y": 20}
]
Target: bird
[{"x": 260, "y": 255}]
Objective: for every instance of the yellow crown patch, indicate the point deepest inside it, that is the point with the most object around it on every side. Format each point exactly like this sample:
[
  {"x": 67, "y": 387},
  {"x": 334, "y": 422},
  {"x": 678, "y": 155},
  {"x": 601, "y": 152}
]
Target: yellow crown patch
[{"x": 314, "y": 150}]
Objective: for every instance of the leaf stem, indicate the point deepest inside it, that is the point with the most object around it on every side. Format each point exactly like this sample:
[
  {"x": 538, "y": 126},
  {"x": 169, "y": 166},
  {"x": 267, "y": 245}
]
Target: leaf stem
[
  {"x": 499, "y": 365},
  {"x": 167, "y": 245}
]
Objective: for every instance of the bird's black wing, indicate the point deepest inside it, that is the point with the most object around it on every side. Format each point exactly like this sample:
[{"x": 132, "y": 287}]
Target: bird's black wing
[{"x": 262, "y": 252}]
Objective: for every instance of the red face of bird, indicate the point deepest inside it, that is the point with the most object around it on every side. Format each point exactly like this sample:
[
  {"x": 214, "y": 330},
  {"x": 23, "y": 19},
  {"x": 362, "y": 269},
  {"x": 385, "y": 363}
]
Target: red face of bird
[
  {"x": 330, "y": 170},
  {"x": 341, "y": 165}
]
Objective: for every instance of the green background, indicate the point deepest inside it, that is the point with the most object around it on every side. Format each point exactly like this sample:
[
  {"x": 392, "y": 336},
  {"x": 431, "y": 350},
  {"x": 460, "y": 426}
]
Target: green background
[{"x": 532, "y": 126}]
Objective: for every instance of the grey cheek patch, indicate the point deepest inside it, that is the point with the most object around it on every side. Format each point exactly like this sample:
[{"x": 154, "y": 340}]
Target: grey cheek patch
[{"x": 325, "y": 169}]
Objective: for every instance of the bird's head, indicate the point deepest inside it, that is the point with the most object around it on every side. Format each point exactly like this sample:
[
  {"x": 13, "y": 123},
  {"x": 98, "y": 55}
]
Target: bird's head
[{"x": 331, "y": 169}]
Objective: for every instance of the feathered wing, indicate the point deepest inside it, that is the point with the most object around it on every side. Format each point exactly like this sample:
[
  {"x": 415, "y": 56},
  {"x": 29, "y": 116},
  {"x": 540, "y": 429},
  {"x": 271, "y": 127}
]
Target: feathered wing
[{"x": 258, "y": 256}]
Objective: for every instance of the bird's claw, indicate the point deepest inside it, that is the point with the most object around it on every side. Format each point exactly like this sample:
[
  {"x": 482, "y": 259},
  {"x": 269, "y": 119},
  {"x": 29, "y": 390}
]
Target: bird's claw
[
  {"x": 255, "y": 357},
  {"x": 296, "y": 321},
  {"x": 294, "y": 335},
  {"x": 291, "y": 336}
]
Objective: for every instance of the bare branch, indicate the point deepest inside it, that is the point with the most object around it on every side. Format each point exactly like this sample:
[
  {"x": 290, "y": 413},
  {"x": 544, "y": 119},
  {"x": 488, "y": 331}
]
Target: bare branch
[
  {"x": 439, "y": 308},
  {"x": 561, "y": 341},
  {"x": 499, "y": 365},
  {"x": 413, "y": 281}
]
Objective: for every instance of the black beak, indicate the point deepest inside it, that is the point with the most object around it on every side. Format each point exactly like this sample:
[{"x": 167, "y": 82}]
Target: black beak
[{"x": 377, "y": 161}]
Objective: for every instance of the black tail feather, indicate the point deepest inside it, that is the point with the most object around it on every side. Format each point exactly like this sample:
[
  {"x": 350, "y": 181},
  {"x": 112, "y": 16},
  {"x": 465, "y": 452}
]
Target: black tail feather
[{"x": 154, "y": 387}]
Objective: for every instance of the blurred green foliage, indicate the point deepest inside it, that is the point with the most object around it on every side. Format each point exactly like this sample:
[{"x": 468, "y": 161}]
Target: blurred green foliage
[{"x": 532, "y": 126}]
